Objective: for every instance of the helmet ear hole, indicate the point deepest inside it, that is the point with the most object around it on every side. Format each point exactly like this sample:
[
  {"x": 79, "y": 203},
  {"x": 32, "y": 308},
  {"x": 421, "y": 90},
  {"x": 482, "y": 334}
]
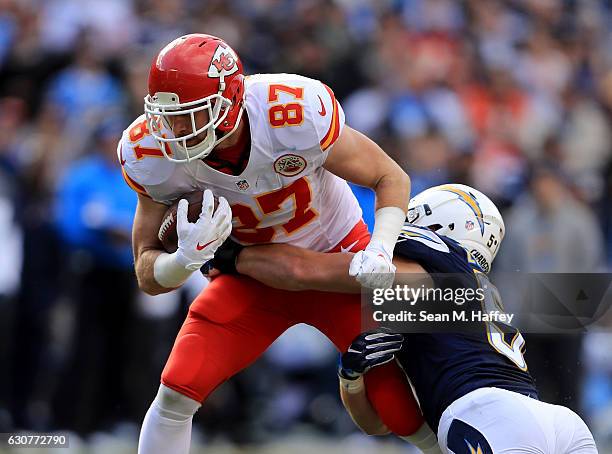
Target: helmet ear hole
[{"x": 451, "y": 226}]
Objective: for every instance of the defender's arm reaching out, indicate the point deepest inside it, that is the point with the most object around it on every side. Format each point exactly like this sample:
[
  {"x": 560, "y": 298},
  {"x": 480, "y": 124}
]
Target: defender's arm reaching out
[
  {"x": 369, "y": 350},
  {"x": 291, "y": 268}
]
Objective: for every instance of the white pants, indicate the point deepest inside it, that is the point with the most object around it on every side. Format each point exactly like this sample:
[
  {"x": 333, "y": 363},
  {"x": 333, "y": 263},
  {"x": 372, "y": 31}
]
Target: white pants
[{"x": 511, "y": 423}]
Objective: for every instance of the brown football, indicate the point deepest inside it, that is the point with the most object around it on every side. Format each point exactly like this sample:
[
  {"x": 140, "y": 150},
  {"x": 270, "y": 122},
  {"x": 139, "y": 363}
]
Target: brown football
[{"x": 167, "y": 230}]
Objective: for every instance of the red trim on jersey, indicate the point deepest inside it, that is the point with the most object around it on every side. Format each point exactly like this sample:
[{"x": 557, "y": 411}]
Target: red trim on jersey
[
  {"x": 232, "y": 160},
  {"x": 334, "y": 128},
  {"x": 132, "y": 184},
  {"x": 121, "y": 160}
]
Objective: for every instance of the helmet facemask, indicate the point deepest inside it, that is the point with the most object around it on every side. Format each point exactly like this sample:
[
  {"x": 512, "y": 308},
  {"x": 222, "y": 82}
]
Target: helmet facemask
[
  {"x": 159, "y": 110},
  {"x": 193, "y": 74}
]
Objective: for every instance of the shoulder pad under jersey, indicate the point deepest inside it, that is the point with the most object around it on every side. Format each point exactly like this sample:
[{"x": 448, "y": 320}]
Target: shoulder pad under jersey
[
  {"x": 142, "y": 162},
  {"x": 301, "y": 113}
]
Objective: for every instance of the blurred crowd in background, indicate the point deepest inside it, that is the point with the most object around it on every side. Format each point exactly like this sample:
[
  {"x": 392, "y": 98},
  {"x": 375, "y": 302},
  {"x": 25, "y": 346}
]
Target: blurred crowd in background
[{"x": 513, "y": 97}]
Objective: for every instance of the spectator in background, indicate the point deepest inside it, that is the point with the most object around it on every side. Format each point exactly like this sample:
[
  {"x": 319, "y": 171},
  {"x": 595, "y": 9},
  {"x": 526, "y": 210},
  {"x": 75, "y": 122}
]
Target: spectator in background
[
  {"x": 586, "y": 142},
  {"x": 429, "y": 159},
  {"x": 90, "y": 216},
  {"x": 546, "y": 224},
  {"x": 606, "y": 212},
  {"x": 11, "y": 116},
  {"x": 94, "y": 212},
  {"x": 111, "y": 23},
  {"x": 496, "y": 109},
  {"x": 84, "y": 91},
  {"x": 25, "y": 155},
  {"x": 597, "y": 399},
  {"x": 553, "y": 232},
  {"x": 606, "y": 202}
]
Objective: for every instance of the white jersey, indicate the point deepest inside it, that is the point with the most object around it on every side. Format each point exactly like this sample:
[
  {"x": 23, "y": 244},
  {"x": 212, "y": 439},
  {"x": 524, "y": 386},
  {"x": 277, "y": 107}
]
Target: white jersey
[{"x": 284, "y": 195}]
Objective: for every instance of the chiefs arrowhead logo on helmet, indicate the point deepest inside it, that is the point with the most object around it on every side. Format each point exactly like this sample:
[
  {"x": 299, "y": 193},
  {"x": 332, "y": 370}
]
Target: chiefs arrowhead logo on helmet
[{"x": 223, "y": 62}]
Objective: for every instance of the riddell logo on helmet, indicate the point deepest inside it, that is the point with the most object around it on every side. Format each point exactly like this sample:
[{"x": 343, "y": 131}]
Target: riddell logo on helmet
[{"x": 223, "y": 63}]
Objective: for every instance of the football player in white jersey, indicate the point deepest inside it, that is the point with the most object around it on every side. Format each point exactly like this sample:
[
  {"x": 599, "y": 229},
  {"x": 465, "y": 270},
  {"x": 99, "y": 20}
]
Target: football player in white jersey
[
  {"x": 474, "y": 388},
  {"x": 276, "y": 151}
]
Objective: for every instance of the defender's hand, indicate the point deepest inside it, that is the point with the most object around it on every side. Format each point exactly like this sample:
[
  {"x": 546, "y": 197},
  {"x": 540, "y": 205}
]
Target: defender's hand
[
  {"x": 198, "y": 241},
  {"x": 226, "y": 257},
  {"x": 369, "y": 349},
  {"x": 373, "y": 267}
]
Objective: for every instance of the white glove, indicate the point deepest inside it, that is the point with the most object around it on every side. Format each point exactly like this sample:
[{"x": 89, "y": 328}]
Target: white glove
[
  {"x": 198, "y": 241},
  {"x": 373, "y": 267}
]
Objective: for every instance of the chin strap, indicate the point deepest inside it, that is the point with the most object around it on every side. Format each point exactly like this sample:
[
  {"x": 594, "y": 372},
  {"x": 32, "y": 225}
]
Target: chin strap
[
  {"x": 221, "y": 83},
  {"x": 230, "y": 132}
]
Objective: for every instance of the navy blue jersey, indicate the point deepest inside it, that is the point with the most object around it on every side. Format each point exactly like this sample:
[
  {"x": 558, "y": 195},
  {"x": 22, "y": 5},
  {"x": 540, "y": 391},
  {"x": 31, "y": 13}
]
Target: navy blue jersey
[{"x": 445, "y": 366}]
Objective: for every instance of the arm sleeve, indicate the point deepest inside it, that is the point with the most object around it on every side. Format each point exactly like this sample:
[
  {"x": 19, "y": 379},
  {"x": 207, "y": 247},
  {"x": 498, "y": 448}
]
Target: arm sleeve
[
  {"x": 428, "y": 249},
  {"x": 326, "y": 113}
]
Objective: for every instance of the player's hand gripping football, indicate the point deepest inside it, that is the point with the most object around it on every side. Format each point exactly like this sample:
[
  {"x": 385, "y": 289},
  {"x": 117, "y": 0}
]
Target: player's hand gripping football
[
  {"x": 373, "y": 267},
  {"x": 198, "y": 241},
  {"x": 369, "y": 349}
]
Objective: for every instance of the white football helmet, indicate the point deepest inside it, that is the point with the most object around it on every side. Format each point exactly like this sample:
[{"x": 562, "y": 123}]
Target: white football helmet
[{"x": 463, "y": 214}]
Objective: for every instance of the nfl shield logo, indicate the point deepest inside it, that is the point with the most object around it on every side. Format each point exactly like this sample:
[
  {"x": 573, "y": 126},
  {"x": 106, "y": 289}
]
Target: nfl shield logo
[
  {"x": 469, "y": 225},
  {"x": 243, "y": 185}
]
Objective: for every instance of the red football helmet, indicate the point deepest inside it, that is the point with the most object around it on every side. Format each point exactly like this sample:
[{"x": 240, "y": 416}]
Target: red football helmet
[{"x": 194, "y": 73}]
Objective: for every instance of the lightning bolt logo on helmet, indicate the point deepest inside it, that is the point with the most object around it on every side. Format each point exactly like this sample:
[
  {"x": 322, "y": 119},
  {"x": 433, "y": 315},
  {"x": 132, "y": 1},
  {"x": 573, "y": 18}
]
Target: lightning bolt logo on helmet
[
  {"x": 478, "y": 449},
  {"x": 470, "y": 201}
]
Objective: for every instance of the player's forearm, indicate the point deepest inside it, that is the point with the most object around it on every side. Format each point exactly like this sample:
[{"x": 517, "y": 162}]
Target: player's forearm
[
  {"x": 392, "y": 194},
  {"x": 359, "y": 160},
  {"x": 148, "y": 249},
  {"x": 268, "y": 264},
  {"x": 359, "y": 408},
  {"x": 145, "y": 272},
  {"x": 291, "y": 268},
  {"x": 393, "y": 188}
]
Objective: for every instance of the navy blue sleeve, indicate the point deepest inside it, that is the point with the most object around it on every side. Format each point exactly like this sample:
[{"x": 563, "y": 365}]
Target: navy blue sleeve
[{"x": 435, "y": 253}]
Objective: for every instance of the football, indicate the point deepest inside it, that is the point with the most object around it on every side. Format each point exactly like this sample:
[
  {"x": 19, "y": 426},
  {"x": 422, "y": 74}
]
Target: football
[{"x": 167, "y": 230}]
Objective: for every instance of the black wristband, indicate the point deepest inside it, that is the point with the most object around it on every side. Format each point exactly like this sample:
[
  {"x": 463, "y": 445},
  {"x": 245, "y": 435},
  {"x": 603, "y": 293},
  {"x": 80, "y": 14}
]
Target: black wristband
[{"x": 226, "y": 256}]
